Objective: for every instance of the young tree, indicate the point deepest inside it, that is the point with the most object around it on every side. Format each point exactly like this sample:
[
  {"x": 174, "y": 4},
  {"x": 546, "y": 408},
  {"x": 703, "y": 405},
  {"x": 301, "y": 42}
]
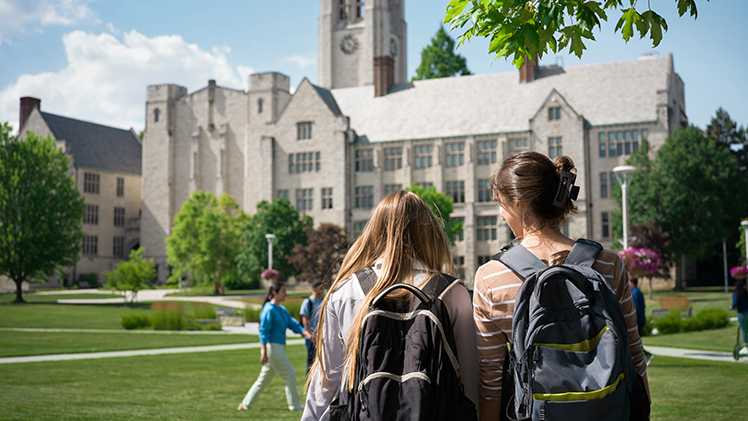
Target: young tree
[
  {"x": 278, "y": 217},
  {"x": 131, "y": 276},
  {"x": 521, "y": 28},
  {"x": 440, "y": 59},
  {"x": 727, "y": 133},
  {"x": 441, "y": 205},
  {"x": 321, "y": 257},
  {"x": 205, "y": 239},
  {"x": 40, "y": 209}
]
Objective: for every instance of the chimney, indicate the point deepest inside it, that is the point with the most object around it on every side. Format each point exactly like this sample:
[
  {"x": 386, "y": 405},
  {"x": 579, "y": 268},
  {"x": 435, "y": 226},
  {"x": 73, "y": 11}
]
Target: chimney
[
  {"x": 384, "y": 74},
  {"x": 527, "y": 72},
  {"x": 27, "y": 106}
]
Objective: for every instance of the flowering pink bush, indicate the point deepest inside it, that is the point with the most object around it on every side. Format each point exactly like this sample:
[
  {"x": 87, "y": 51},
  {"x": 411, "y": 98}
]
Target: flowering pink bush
[
  {"x": 739, "y": 272},
  {"x": 270, "y": 274},
  {"x": 640, "y": 262}
]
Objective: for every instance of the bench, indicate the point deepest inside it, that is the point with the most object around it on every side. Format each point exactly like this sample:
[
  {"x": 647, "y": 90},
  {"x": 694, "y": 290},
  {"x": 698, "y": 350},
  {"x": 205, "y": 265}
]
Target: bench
[{"x": 657, "y": 314}]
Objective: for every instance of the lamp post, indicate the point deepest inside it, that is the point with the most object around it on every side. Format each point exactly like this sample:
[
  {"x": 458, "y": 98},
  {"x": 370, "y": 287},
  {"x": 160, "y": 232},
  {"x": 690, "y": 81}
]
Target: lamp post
[
  {"x": 624, "y": 174},
  {"x": 271, "y": 238},
  {"x": 744, "y": 224}
]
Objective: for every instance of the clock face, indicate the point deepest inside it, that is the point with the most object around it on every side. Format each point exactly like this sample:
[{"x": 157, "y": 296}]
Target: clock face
[
  {"x": 393, "y": 47},
  {"x": 349, "y": 44}
]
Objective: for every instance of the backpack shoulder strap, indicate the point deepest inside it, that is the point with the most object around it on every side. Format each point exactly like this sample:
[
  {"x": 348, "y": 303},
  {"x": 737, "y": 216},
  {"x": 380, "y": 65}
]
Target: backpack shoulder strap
[
  {"x": 366, "y": 278},
  {"x": 517, "y": 258},
  {"x": 584, "y": 253}
]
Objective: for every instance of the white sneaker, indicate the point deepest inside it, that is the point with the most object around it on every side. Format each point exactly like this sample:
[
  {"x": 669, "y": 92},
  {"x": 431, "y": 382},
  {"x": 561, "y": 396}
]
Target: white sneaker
[{"x": 744, "y": 351}]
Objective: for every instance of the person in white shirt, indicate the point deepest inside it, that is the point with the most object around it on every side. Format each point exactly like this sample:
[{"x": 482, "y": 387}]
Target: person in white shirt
[{"x": 403, "y": 242}]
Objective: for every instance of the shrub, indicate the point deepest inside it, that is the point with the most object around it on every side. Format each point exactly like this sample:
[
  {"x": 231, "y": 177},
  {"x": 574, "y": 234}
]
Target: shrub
[
  {"x": 90, "y": 278},
  {"x": 136, "y": 321},
  {"x": 251, "y": 314},
  {"x": 713, "y": 318},
  {"x": 203, "y": 310},
  {"x": 293, "y": 307},
  {"x": 213, "y": 326},
  {"x": 670, "y": 323},
  {"x": 648, "y": 326},
  {"x": 167, "y": 316},
  {"x": 192, "y": 325}
]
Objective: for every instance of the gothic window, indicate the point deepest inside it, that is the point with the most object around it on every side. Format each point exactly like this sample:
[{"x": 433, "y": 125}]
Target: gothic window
[
  {"x": 393, "y": 159},
  {"x": 304, "y": 199},
  {"x": 343, "y": 14},
  {"x": 606, "y": 225},
  {"x": 304, "y": 130},
  {"x": 554, "y": 147},
  {"x": 554, "y": 113},
  {"x": 90, "y": 183},
  {"x": 359, "y": 9},
  {"x": 604, "y": 185},
  {"x": 364, "y": 197},
  {"x": 156, "y": 113},
  {"x": 327, "y": 198},
  {"x": 486, "y": 152},
  {"x": 91, "y": 245},
  {"x": 364, "y": 160},
  {"x": 259, "y": 106},
  {"x": 486, "y": 228},
  {"x": 517, "y": 145},
  {"x": 92, "y": 215},
  {"x": 305, "y": 162},
  {"x": 603, "y": 145},
  {"x": 484, "y": 190},
  {"x": 119, "y": 217},
  {"x": 456, "y": 190},
  {"x": 120, "y": 186},
  {"x": 422, "y": 156},
  {"x": 119, "y": 247},
  {"x": 454, "y": 154}
]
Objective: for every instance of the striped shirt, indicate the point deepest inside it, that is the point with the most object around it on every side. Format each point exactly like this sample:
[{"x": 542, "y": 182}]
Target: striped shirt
[{"x": 496, "y": 288}]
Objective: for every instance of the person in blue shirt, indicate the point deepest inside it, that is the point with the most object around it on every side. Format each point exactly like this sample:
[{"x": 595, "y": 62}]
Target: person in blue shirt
[
  {"x": 309, "y": 315},
  {"x": 638, "y": 297},
  {"x": 740, "y": 303},
  {"x": 274, "y": 320}
]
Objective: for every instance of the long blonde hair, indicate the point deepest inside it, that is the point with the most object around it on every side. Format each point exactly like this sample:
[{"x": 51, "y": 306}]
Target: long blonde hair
[{"x": 401, "y": 230}]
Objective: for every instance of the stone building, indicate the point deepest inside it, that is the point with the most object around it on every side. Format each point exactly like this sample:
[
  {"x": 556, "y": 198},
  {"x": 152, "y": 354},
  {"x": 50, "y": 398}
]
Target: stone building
[
  {"x": 106, "y": 164},
  {"x": 336, "y": 149}
]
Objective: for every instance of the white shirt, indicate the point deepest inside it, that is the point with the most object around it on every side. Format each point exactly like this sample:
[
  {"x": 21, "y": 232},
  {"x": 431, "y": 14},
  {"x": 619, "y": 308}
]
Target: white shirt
[{"x": 342, "y": 308}]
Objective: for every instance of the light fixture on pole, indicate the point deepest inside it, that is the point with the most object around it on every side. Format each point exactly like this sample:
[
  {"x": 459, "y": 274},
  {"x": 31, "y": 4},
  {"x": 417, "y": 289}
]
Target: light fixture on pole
[
  {"x": 624, "y": 174},
  {"x": 271, "y": 238}
]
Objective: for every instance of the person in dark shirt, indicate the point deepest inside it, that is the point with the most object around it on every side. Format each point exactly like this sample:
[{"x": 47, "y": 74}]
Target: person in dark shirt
[
  {"x": 740, "y": 303},
  {"x": 638, "y": 297}
]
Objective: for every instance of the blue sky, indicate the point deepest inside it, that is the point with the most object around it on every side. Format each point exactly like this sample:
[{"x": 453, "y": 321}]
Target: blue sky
[{"x": 92, "y": 59}]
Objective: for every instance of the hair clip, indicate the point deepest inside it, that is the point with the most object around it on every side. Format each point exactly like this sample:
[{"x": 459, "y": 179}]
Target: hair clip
[{"x": 569, "y": 190}]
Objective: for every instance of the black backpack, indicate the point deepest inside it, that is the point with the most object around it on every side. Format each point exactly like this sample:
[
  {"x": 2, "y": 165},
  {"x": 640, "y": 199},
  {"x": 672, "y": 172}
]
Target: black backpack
[
  {"x": 570, "y": 356},
  {"x": 407, "y": 367}
]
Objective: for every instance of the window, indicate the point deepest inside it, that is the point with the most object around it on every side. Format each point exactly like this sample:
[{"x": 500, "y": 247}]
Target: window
[
  {"x": 359, "y": 9},
  {"x": 118, "y": 247},
  {"x": 92, "y": 215},
  {"x": 627, "y": 144},
  {"x": 619, "y": 144},
  {"x": 611, "y": 145},
  {"x": 484, "y": 190},
  {"x": 393, "y": 159},
  {"x": 645, "y": 134},
  {"x": 459, "y": 264},
  {"x": 304, "y": 199},
  {"x": 554, "y": 113},
  {"x": 90, "y": 183},
  {"x": 517, "y": 145},
  {"x": 486, "y": 228},
  {"x": 119, "y": 217},
  {"x": 554, "y": 147},
  {"x": 304, "y": 130},
  {"x": 454, "y": 154},
  {"x": 120, "y": 187},
  {"x": 604, "y": 185},
  {"x": 194, "y": 164},
  {"x": 358, "y": 228},
  {"x": 364, "y": 197},
  {"x": 364, "y": 160},
  {"x": 603, "y": 144},
  {"x": 282, "y": 194},
  {"x": 486, "y": 152},
  {"x": 634, "y": 141},
  {"x": 426, "y": 185},
  {"x": 456, "y": 190},
  {"x": 156, "y": 114},
  {"x": 391, "y": 188},
  {"x": 91, "y": 245},
  {"x": 459, "y": 235},
  {"x": 606, "y": 225},
  {"x": 305, "y": 162},
  {"x": 327, "y": 198},
  {"x": 259, "y": 106},
  {"x": 422, "y": 156},
  {"x": 482, "y": 260}
]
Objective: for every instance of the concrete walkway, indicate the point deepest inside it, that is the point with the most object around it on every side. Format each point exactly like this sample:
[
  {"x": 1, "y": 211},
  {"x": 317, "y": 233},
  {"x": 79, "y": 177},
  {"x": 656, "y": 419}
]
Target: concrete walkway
[{"x": 150, "y": 295}]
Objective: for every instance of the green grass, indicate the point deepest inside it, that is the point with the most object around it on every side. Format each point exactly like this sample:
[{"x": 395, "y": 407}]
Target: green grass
[
  {"x": 199, "y": 386},
  {"x": 701, "y": 298},
  {"x": 685, "y": 389},
  {"x": 68, "y": 316},
  {"x": 45, "y": 343},
  {"x": 52, "y": 298},
  {"x": 721, "y": 340}
]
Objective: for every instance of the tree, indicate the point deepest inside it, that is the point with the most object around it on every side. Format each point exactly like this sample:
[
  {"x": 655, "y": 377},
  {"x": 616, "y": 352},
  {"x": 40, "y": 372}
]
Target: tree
[
  {"x": 132, "y": 275},
  {"x": 521, "y": 28},
  {"x": 278, "y": 217},
  {"x": 321, "y": 257},
  {"x": 205, "y": 239},
  {"x": 441, "y": 205},
  {"x": 440, "y": 60},
  {"x": 690, "y": 191},
  {"x": 726, "y": 132},
  {"x": 40, "y": 209}
]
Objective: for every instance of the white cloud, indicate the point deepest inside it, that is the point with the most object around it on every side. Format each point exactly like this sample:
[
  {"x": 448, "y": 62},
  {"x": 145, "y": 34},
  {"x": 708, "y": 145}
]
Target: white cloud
[
  {"x": 244, "y": 72},
  {"x": 20, "y": 16},
  {"x": 302, "y": 61},
  {"x": 106, "y": 77}
]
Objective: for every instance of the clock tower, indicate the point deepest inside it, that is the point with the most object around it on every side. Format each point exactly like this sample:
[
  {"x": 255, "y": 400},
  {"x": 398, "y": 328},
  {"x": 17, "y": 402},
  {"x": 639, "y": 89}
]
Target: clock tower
[{"x": 362, "y": 42}]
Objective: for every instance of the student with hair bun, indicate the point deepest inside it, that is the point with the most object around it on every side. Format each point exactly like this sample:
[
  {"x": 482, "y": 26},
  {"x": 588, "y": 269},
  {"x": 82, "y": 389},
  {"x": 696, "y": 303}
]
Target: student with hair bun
[{"x": 535, "y": 196}]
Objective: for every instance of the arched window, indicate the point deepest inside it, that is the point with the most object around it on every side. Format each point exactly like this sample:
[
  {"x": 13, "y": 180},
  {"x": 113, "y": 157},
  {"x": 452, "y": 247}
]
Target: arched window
[
  {"x": 156, "y": 113},
  {"x": 259, "y": 105}
]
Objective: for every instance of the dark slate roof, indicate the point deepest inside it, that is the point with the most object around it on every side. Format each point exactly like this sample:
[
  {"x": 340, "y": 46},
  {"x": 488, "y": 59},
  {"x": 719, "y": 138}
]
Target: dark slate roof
[
  {"x": 97, "y": 146},
  {"x": 326, "y": 96}
]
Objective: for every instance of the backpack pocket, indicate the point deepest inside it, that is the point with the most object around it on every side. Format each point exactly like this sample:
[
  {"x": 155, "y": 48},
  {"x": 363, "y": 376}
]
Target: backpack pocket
[{"x": 392, "y": 396}]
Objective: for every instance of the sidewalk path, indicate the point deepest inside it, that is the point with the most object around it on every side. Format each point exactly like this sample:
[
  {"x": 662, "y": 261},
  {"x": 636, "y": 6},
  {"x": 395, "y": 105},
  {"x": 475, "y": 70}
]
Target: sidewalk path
[
  {"x": 150, "y": 295},
  {"x": 695, "y": 354},
  {"x": 135, "y": 353}
]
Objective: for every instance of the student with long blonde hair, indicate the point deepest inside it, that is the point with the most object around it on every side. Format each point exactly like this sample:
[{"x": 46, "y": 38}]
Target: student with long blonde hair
[{"x": 403, "y": 242}]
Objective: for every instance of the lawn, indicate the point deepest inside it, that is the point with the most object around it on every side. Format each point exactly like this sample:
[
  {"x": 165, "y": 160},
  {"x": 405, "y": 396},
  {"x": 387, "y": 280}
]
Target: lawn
[
  {"x": 198, "y": 386},
  {"x": 52, "y": 298},
  {"x": 721, "y": 340},
  {"x": 45, "y": 343},
  {"x": 701, "y": 298}
]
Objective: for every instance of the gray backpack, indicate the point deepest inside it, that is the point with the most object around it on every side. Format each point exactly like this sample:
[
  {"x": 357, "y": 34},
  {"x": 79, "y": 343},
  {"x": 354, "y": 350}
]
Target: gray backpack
[{"x": 569, "y": 357}]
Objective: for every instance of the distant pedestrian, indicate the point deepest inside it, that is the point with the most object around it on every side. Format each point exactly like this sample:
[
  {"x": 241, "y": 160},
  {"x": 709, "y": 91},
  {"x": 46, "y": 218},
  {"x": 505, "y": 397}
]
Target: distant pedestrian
[
  {"x": 636, "y": 294},
  {"x": 274, "y": 320},
  {"x": 310, "y": 317},
  {"x": 740, "y": 303}
]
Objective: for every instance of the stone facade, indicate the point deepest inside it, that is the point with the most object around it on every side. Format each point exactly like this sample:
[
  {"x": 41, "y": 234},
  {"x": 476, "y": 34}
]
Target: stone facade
[{"x": 350, "y": 145}]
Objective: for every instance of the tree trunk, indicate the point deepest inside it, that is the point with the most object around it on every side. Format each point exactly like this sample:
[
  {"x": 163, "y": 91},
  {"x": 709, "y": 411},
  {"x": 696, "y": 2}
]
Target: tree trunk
[
  {"x": 651, "y": 291},
  {"x": 217, "y": 287},
  {"x": 19, "y": 291}
]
